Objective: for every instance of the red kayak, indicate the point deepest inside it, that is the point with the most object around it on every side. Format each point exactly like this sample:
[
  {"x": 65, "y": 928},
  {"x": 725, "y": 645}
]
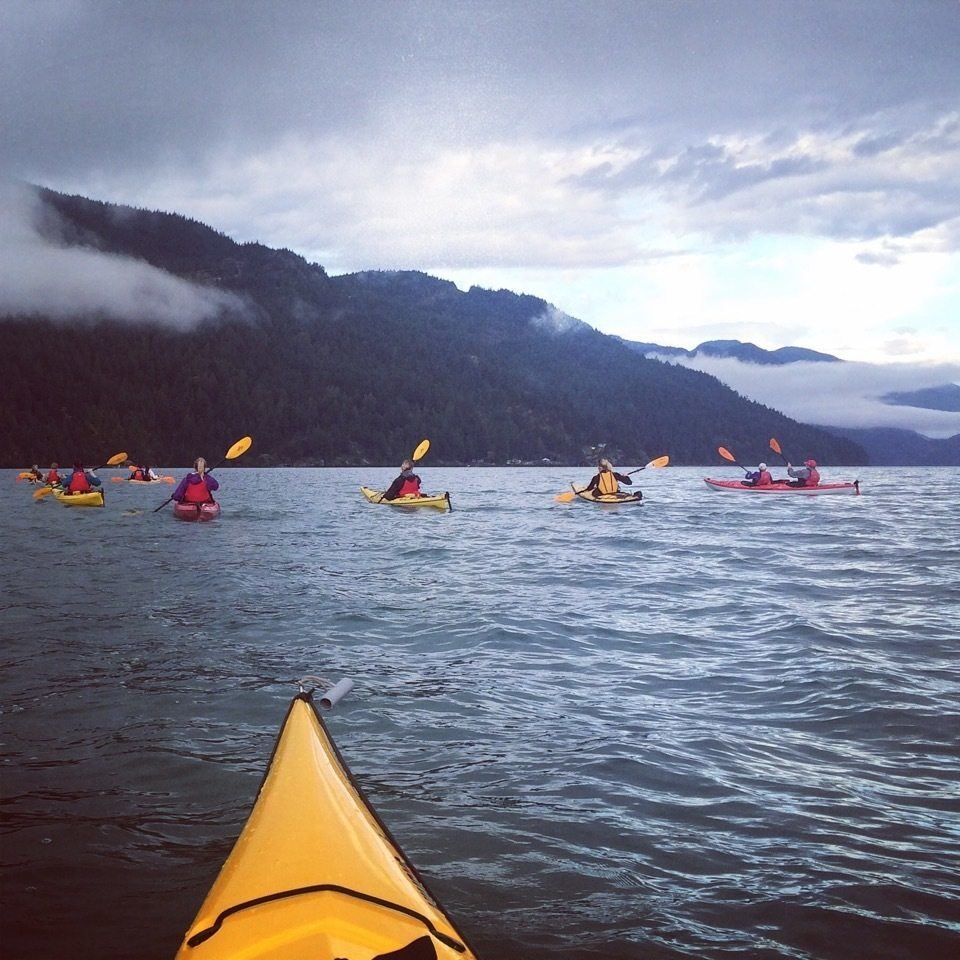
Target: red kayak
[
  {"x": 196, "y": 511},
  {"x": 783, "y": 487}
]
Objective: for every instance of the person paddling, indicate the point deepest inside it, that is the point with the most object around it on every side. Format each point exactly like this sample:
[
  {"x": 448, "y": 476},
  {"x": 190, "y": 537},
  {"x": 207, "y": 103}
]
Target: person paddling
[
  {"x": 36, "y": 474},
  {"x": 81, "y": 481},
  {"x": 805, "y": 476},
  {"x": 758, "y": 478},
  {"x": 53, "y": 475},
  {"x": 406, "y": 485},
  {"x": 197, "y": 487},
  {"x": 607, "y": 481}
]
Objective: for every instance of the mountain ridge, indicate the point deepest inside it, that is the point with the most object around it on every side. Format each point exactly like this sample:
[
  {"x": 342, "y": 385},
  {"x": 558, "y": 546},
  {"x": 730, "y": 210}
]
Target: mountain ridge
[{"x": 351, "y": 369}]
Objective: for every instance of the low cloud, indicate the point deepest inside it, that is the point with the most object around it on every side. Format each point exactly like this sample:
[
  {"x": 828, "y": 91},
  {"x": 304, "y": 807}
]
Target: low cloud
[
  {"x": 42, "y": 277},
  {"x": 838, "y": 394}
]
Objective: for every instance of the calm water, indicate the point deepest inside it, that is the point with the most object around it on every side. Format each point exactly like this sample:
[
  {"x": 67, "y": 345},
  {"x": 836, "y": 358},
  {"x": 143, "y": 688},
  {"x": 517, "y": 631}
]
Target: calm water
[{"x": 714, "y": 726}]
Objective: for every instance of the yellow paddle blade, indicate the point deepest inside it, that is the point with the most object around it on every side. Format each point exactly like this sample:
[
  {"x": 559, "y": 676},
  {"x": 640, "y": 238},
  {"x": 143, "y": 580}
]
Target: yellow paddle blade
[
  {"x": 775, "y": 447},
  {"x": 239, "y": 448},
  {"x": 421, "y": 451},
  {"x": 659, "y": 462},
  {"x": 565, "y": 497},
  {"x": 115, "y": 459},
  {"x": 726, "y": 454},
  {"x": 42, "y": 492}
]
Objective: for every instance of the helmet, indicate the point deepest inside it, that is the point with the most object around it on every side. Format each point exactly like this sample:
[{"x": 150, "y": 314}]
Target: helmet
[
  {"x": 810, "y": 463},
  {"x": 763, "y": 466}
]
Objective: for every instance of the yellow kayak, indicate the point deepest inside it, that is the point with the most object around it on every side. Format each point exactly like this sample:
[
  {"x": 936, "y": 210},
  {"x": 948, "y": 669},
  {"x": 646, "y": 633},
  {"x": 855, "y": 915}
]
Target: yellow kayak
[
  {"x": 92, "y": 499},
  {"x": 441, "y": 501},
  {"x": 315, "y": 874},
  {"x": 594, "y": 497}
]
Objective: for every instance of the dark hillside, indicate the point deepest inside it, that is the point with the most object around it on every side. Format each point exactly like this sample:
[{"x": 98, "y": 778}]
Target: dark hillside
[{"x": 351, "y": 368}]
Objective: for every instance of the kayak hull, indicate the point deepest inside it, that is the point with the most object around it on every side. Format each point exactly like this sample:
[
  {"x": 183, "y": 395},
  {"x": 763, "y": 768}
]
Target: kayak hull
[
  {"x": 439, "y": 501},
  {"x": 94, "y": 498},
  {"x": 315, "y": 874},
  {"x": 143, "y": 483},
  {"x": 606, "y": 499},
  {"x": 819, "y": 490},
  {"x": 192, "y": 512}
]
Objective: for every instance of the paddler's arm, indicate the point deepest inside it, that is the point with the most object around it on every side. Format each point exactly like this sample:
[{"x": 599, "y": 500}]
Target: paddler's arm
[
  {"x": 393, "y": 489},
  {"x": 181, "y": 489},
  {"x": 624, "y": 479}
]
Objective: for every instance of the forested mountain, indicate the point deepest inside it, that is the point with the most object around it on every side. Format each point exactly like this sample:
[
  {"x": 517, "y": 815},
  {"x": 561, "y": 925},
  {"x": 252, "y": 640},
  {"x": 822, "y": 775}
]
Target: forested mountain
[
  {"x": 903, "y": 448},
  {"x": 738, "y": 350},
  {"x": 355, "y": 368},
  {"x": 946, "y": 397}
]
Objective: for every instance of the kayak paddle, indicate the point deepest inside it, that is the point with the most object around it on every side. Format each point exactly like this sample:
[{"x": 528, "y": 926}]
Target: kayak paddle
[
  {"x": 775, "y": 447},
  {"x": 421, "y": 450},
  {"x": 237, "y": 450},
  {"x": 422, "y": 447},
  {"x": 727, "y": 455},
  {"x": 653, "y": 464},
  {"x": 112, "y": 462}
]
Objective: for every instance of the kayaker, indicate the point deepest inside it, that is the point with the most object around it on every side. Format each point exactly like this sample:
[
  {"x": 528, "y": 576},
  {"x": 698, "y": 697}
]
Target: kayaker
[
  {"x": 53, "y": 476},
  {"x": 406, "y": 485},
  {"x": 758, "y": 478},
  {"x": 607, "y": 481},
  {"x": 37, "y": 473},
  {"x": 144, "y": 474},
  {"x": 805, "y": 476},
  {"x": 197, "y": 487},
  {"x": 81, "y": 481}
]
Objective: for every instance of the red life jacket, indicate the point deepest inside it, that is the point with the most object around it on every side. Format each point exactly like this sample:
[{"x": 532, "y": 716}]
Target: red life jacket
[
  {"x": 79, "y": 483},
  {"x": 814, "y": 479},
  {"x": 410, "y": 487},
  {"x": 765, "y": 479},
  {"x": 197, "y": 492},
  {"x": 53, "y": 477}
]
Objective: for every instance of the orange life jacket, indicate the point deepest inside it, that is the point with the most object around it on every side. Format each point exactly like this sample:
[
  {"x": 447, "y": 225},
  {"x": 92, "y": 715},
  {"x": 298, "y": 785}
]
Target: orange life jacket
[
  {"x": 607, "y": 483},
  {"x": 79, "y": 483},
  {"x": 197, "y": 492}
]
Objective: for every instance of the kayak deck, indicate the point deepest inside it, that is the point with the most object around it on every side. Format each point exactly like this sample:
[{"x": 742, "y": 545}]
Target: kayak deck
[
  {"x": 606, "y": 498},
  {"x": 315, "y": 874},
  {"x": 782, "y": 487},
  {"x": 439, "y": 501}
]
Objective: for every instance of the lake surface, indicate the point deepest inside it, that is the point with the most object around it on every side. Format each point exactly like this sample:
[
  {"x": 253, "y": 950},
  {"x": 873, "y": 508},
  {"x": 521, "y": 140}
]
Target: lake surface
[{"x": 712, "y": 726}]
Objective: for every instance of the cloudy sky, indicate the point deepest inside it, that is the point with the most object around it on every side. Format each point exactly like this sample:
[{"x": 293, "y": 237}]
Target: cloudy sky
[{"x": 781, "y": 172}]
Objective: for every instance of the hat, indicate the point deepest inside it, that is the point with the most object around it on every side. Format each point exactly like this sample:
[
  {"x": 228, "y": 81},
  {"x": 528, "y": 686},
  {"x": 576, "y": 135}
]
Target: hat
[
  {"x": 763, "y": 466},
  {"x": 810, "y": 463}
]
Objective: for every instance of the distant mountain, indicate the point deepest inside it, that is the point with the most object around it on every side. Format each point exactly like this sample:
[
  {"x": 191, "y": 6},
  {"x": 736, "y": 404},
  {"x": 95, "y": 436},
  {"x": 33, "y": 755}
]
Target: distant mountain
[
  {"x": 736, "y": 349},
  {"x": 946, "y": 397},
  {"x": 903, "y": 448},
  {"x": 350, "y": 369}
]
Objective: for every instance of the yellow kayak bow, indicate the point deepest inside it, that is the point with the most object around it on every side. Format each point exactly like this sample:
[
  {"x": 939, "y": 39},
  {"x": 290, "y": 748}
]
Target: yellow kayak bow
[{"x": 315, "y": 873}]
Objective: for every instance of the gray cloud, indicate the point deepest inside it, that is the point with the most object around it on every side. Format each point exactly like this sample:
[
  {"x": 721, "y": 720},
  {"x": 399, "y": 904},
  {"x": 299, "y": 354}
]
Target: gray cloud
[
  {"x": 41, "y": 277},
  {"x": 323, "y": 125},
  {"x": 838, "y": 394}
]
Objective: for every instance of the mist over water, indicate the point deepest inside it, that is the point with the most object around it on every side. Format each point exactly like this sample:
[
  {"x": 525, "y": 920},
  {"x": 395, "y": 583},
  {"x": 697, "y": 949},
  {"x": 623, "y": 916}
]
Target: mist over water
[{"x": 711, "y": 726}]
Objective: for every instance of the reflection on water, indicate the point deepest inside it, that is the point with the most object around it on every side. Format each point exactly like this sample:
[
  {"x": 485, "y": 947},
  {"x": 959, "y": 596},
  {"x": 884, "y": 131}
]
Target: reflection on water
[{"x": 712, "y": 726}]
